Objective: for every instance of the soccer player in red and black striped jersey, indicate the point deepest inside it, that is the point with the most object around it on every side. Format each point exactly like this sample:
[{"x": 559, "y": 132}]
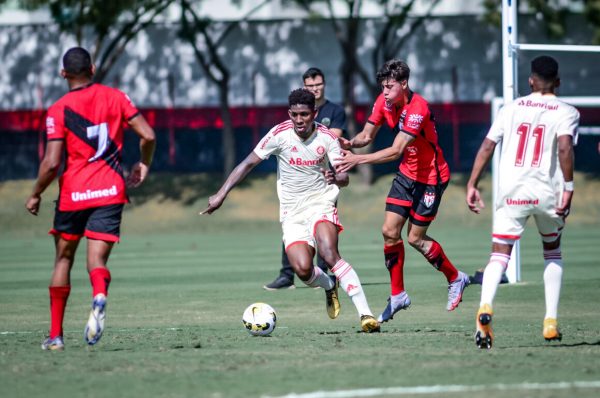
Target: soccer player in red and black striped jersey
[
  {"x": 86, "y": 127},
  {"x": 417, "y": 189}
]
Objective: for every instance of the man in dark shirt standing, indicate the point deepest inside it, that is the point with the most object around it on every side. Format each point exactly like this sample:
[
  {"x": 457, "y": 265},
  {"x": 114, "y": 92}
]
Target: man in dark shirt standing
[{"x": 332, "y": 116}]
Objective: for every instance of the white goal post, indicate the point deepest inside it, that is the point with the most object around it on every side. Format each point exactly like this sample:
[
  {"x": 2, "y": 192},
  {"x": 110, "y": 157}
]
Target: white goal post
[{"x": 510, "y": 50}]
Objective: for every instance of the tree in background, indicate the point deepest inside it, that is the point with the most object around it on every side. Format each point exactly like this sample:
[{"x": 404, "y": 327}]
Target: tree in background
[
  {"x": 113, "y": 23},
  {"x": 206, "y": 37},
  {"x": 399, "y": 26}
]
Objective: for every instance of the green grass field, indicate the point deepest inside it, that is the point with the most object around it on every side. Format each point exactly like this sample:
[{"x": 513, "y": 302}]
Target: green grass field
[{"x": 181, "y": 283}]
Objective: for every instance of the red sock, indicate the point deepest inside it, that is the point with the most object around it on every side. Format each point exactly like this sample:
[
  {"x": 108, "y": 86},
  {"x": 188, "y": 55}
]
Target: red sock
[
  {"x": 100, "y": 279},
  {"x": 438, "y": 259},
  {"x": 394, "y": 261},
  {"x": 58, "y": 302}
]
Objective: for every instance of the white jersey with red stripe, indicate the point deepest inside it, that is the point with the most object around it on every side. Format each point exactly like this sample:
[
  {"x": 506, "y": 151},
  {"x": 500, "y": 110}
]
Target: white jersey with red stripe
[
  {"x": 530, "y": 177},
  {"x": 300, "y": 182}
]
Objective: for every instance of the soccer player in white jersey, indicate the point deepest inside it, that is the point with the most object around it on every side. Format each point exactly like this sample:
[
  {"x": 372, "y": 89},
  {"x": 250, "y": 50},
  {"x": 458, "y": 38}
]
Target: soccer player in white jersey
[
  {"x": 536, "y": 179},
  {"x": 307, "y": 191}
]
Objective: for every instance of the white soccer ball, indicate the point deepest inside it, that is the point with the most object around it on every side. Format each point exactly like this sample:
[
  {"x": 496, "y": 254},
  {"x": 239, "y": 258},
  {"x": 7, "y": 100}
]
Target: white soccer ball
[{"x": 259, "y": 319}]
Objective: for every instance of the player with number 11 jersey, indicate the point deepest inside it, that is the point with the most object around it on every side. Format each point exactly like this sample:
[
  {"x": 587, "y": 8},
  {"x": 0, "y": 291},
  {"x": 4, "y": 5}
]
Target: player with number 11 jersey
[{"x": 528, "y": 129}]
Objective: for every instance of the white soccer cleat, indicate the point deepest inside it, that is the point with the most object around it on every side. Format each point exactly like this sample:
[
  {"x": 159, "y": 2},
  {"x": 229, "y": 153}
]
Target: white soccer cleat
[{"x": 95, "y": 324}]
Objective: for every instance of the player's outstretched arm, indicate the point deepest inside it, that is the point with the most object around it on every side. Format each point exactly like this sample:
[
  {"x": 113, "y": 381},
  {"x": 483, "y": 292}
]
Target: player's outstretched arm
[
  {"x": 140, "y": 170},
  {"x": 46, "y": 174},
  {"x": 486, "y": 150},
  {"x": 362, "y": 139},
  {"x": 565, "y": 159},
  {"x": 236, "y": 176},
  {"x": 349, "y": 160}
]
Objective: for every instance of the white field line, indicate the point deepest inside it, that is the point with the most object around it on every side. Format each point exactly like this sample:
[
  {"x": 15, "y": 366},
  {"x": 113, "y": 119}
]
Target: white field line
[
  {"x": 122, "y": 330},
  {"x": 424, "y": 390}
]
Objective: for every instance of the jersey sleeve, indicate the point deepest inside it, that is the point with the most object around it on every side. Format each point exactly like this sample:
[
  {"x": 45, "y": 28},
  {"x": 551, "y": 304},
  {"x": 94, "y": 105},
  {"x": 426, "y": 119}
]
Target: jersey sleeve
[
  {"x": 334, "y": 152},
  {"x": 496, "y": 132},
  {"x": 569, "y": 124},
  {"x": 127, "y": 107},
  {"x": 416, "y": 116},
  {"x": 377, "y": 116},
  {"x": 55, "y": 129},
  {"x": 268, "y": 145}
]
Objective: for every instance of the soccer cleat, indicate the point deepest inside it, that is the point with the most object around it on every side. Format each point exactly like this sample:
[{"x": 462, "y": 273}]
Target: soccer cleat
[
  {"x": 484, "y": 335},
  {"x": 280, "y": 283},
  {"x": 95, "y": 324},
  {"x": 551, "y": 331},
  {"x": 397, "y": 302},
  {"x": 456, "y": 289},
  {"x": 331, "y": 299},
  {"x": 53, "y": 344},
  {"x": 369, "y": 324}
]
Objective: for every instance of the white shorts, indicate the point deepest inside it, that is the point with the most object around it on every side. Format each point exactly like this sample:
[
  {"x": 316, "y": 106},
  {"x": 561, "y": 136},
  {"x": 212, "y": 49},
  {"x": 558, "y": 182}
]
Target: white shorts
[
  {"x": 507, "y": 225},
  {"x": 300, "y": 227}
]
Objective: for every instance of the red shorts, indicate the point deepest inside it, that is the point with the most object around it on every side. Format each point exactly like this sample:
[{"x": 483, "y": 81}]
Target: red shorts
[
  {"x": 414, "y": 200},
  {"x": 100, "y": 223}
]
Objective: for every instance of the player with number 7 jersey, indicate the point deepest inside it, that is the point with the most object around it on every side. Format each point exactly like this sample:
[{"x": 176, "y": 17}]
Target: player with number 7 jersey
[{"x": 93, "y": 136}]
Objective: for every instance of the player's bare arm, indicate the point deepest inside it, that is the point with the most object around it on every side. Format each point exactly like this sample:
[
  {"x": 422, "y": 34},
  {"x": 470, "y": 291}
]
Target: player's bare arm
[
  {"x": 350, "y": 160},
  {"x": 565, "y": 159},
  {"x": 486, "y": 150},
  {"x": 237, "y": 175},
  {"x": 362, "y": 139},
  {"x": 139, "y": 171},
  {"x": 46, "y": 174}
]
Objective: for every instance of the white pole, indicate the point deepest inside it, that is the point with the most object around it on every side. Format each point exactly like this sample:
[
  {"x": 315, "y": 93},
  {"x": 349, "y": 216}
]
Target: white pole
[{"x": 509, "y": 93}]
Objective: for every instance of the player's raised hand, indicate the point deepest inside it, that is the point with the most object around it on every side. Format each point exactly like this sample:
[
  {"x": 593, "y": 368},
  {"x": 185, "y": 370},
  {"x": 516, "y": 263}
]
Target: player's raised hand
[
  {"x": 565, "y": 206},
  {"x": 346, "y": 162},
  {"x": 33, "y": 204},
  {"x": 138, "y": 174},
  {"x": 214, "y": 202},
  {"x": 474, "y": 200}
]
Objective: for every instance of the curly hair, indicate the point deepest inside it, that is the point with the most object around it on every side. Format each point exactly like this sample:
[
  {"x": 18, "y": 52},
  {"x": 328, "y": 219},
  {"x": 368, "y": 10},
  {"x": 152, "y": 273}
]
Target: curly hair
[{"x": 301, "y": 96}]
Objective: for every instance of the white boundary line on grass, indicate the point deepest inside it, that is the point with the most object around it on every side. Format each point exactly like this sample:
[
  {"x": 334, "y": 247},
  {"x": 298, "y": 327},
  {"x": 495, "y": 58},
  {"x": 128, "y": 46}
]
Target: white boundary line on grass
[{"x": 423, "y": 390}]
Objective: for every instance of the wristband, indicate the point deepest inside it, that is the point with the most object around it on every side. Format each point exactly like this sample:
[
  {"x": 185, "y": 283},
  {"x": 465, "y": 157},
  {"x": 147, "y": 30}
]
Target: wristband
[{"x": 569, "y": 186}]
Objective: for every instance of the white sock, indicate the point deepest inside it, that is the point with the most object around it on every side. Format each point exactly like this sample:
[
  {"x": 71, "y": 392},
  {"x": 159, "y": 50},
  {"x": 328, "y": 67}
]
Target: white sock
[
  {"x": 319, "y": 279},
  {"x": 351, "y": 284},
  {"x": 552, "y": 280},
  {"x": 492, "y": 276}
]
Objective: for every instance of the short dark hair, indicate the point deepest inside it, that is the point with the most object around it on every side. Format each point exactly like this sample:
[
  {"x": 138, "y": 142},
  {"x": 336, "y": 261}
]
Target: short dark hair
[
  {"x": 77, "y": 61},
  {"x": 301, "y": 96},
  {"x": 545, "y": 67},
  {"x": 393, "y": 69},
  {"x": 312, "y": 73}
]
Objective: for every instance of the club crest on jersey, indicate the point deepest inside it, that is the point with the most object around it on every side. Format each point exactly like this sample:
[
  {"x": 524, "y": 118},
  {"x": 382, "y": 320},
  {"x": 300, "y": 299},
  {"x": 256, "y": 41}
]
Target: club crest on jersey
[
  {"x": 294, "y": 149},
  {"x": 326, "y": 121},
  {"x": 429, "y": 199},
  {"x": 320, "y": 150}
]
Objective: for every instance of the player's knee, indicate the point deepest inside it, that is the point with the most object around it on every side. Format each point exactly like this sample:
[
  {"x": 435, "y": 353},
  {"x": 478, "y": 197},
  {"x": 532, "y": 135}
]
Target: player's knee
[
  {"x": 303, "y": 270},
  {"x": 415, "y": 241},
  {"x": 390, "y": 233}
]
